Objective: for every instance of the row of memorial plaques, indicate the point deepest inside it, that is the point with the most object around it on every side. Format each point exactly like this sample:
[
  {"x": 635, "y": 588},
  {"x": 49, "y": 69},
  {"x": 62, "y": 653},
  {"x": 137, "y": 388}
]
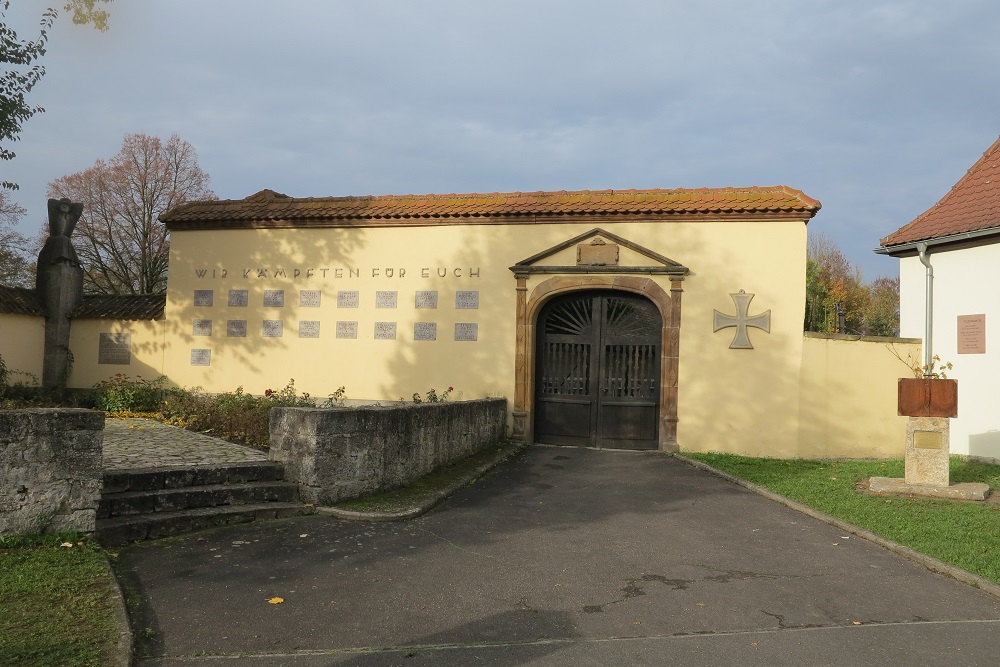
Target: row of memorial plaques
[
  {"x": 310, "y": 329},
  {"x": 275, "y": 298}
]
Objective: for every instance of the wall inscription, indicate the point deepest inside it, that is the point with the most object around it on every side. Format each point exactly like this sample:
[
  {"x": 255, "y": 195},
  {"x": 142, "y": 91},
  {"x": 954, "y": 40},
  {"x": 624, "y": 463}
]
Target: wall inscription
[
  {"x": 309, "y": 298},
  {"x": 425, "y": 331},
  {"x": 236, "y": 328},
  {"x": 201, "y": 328},
  {"x": 466, "y": 331},
  {"x": 467, "y": 299},
  {"x": 201, "y": 357},
  {"x": 385, "y": 331},
  {"x": 347, "y": 299},
  {"x": 238, "y": 297},
  {"x": 274, "y": 298},
  {"x": 426, "y": 299},
  {"x": 309, "y": 329},
  {"x": 204, "y": 297},
  {"x": 972, "y": 334},
  {"x": 347, "y": 329},
  {"x": 385, "y": 299},
  {"x": 272, "y": 329},
  {"x": 115, "y": 349}
]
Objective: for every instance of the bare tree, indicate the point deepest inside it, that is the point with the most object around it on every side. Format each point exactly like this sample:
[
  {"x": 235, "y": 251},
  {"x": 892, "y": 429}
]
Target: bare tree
[{"x": 123, "y": 246}]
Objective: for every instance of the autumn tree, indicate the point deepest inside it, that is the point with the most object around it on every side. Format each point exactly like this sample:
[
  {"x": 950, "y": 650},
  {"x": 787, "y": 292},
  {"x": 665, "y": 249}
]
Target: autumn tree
[
  {"x": 16, "y": 262},
  {"x": 123, "y": 246},
  {"x": 21, "y": 71}
]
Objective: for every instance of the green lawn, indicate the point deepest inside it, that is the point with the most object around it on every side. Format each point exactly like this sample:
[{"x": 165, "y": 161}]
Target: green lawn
[
  {"x": 56, "y": 608},
  {"x": 964, "y": 534}
]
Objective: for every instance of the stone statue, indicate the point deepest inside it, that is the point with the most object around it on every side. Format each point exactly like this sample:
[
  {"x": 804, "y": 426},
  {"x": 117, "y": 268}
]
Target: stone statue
[{"x": 63, "y": 216}]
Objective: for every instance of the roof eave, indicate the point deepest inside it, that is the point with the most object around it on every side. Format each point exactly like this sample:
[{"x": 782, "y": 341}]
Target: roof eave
[{"x": 910, "y": 247}]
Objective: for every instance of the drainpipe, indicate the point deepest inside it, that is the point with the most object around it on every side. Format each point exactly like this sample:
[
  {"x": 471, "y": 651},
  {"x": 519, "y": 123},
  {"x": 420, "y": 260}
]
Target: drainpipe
[{"x": 928, "y": 309}]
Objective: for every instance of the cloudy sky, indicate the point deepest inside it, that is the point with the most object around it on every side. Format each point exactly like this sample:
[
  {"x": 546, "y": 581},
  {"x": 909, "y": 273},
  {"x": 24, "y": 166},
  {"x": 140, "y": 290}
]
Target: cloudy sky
[{"x": 874, "y": 107}]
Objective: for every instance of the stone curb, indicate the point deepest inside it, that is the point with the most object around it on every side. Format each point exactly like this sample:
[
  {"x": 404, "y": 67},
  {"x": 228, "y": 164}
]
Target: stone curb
[
  {"x": 124, "y": 647},
  {"x": 932, "y": 564},
  {"x": 427, "y": 505}
]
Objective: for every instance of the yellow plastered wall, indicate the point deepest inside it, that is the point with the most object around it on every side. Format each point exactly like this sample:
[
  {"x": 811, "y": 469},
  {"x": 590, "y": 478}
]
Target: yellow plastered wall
[
  {"x": 730, "y": 400},
  {"x": 147, "y": 350},
  {"x": 22, "y": 346},
  {"x": 848, "y": 406}
]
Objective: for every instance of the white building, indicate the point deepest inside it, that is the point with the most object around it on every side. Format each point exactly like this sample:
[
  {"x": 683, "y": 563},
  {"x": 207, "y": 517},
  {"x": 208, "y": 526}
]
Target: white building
[{"x": 960, "y": 239}]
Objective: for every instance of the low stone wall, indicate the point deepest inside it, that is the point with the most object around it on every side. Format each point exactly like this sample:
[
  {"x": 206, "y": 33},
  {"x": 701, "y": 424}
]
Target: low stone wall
[
  {"x": 342, "y": 453},
  {"x": 50, "y": 470}
]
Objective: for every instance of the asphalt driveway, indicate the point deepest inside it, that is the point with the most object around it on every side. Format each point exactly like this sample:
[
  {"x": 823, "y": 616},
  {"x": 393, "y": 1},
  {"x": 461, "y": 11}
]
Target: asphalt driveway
[{"x": 561, "y": 556}]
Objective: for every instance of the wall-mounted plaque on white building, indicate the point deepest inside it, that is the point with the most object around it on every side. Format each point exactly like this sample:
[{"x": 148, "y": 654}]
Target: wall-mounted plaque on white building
[
  {"x": 466, "y": 331},
  {"x": 115, "y": 349},
  {"x": 348, "y": 299},
  {"x": 309, "y": 329},
  {"x": 238, "y": 297},
  {"x": 201, "y": 357},
  {"x": 426, "y": 299},
  {"x": 467, "y": 299},
  {"x": 425, "y": 331},
  {"x": 201, "y": 328},
  {"x": 347, "y": 329},
  {"x": 272, "y": 329},
  {"x": 274, "y": 298},
  {"x": 385, "y": 299},
  {"x": 236, "y": 328},
  {"x": 204, "y": 297},
  {"x": 309, "y": 298},
  {"x": 385, "y": 331}
]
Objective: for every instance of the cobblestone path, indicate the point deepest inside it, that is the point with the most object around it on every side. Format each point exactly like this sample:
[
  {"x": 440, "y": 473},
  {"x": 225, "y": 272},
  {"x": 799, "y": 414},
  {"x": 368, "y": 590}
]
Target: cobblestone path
[{"x": 144, "y": 443}]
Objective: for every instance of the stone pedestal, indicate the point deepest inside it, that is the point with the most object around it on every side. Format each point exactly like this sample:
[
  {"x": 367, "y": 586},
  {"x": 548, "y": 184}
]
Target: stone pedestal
[{"x": 927, "y": 451}]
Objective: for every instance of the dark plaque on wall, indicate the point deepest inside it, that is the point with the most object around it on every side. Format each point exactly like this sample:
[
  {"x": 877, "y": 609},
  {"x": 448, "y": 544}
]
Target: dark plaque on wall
[
  {"x": 347, "y": 329},
  {"x": 347, "y": 299},
  {"x": 272, "y": 329},
  {"x": 466, "y": 331},
  {"x": 204, "y": 297},
  {"x": 467, "y": 299},
  {"x": 426, "y": 299},
  {"x": 425, "y": 331},
  {"x": 274, "y": 298},
  {"x": 385, "y": 299},
  {"x": 385, "y": 331},
  {"x": 236, "y": 328},
  {"x": 202, "y": 328},
  {"x": 309, "y": 329},
  {"x": 309, "y": 298},
  {"x": 115, "y": 349},
  {"x": 238, "y": 297},
  {"x": 201, "y": 357}
]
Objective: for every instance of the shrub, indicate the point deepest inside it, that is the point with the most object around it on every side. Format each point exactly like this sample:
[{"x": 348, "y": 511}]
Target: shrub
[{"x": 120, "y": 393}]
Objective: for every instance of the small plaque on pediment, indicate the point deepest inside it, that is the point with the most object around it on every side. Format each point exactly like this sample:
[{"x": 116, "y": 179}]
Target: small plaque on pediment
[{"x": 597, "y": 253}]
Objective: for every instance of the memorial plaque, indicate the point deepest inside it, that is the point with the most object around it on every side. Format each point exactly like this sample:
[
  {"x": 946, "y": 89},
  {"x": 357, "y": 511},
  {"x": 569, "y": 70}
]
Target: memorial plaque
[
  {"x": 202, "y": 328},
  {"x": 426, "y": 299},
  {"x": 272, "y": 329},
  {"x": 466, "y": 331},
  {"x": 309, "y": 298},
  {"x": 115, "y": 349},
  {"x": 385, "y": 331},
  {"x": 385, "y": 299},
  {"x": 204, "y": 297},
  {"x": 201, "y": 357},
  {"x": 309, "y": 329},
  {"x": 972, "y": 334},
  {"x": 467, "y": 299},
  {"x": 347, "y": 299},
  {"x": 239, "y": 297},
  {"x": 274, "y": 298},
  {"x": 347, "y": 329},
  {"x": 425, "y": 330},
  {"x": 236, "y": 328}
]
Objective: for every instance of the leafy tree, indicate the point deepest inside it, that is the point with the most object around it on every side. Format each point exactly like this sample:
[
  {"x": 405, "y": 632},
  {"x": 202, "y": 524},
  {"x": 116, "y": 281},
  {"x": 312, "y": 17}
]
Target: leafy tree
[
  {"x": 22, "y": 72},
  {"x": 16, "y": 264},
  {"x": 881, "y": 316},
  {"x": 121, "y": 242}
]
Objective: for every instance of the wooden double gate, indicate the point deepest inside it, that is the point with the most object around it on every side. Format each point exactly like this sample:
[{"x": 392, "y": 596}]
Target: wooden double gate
[{"x": 597, "y": 374}]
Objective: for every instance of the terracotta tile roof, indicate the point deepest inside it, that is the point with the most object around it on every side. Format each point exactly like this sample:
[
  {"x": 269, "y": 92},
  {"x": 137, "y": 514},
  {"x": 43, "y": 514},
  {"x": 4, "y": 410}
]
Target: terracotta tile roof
[
  {"x": 20, "y": 301},
  {"x": 121, "y": 307},
  {"x": 972, "y": 205},
  {"x": 268, "y": 208}
]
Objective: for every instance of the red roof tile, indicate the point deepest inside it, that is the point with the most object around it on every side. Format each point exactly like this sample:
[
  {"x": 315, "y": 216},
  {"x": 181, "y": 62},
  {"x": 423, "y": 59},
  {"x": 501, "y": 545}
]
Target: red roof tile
[
  {"x": 972, "y": 205},
  {"x": 268, "y": 208}
]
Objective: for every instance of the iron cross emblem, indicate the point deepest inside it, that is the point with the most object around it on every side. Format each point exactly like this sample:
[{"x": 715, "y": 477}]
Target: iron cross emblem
[{"x": 741, "y": 341}]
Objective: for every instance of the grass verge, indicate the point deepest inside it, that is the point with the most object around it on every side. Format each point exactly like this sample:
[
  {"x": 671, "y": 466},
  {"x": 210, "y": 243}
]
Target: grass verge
[
  {"x": 963, "y": 534},
  {"x": 57, "y": 607}
]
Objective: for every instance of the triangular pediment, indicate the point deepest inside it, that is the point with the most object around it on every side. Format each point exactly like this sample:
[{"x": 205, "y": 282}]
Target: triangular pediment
[{"x": 598, "y": 251}]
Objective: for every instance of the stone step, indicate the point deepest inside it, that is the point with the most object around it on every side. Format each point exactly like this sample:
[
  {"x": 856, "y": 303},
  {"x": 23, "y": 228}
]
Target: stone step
[
  {"x": 131, "y": 503},
  {"x": 148, "y": 479},
  {"x": 117, "y": 531}
]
